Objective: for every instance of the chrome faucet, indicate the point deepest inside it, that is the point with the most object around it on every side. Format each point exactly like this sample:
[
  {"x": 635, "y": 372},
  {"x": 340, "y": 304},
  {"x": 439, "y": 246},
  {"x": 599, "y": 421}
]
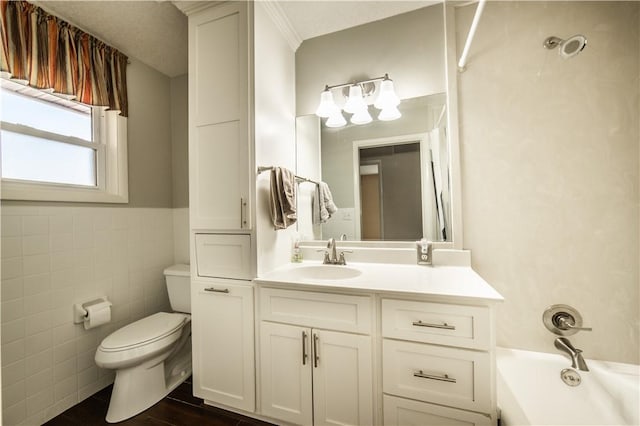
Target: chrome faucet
[
  {"x": 577, "y": 361},
  {"x": 331, "y": 247},
  {"x": 331, "y": 255}
]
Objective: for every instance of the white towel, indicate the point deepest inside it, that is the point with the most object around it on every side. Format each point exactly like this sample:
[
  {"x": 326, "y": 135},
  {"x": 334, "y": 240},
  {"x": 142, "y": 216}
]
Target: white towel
[{"x": 324, "y": 206}]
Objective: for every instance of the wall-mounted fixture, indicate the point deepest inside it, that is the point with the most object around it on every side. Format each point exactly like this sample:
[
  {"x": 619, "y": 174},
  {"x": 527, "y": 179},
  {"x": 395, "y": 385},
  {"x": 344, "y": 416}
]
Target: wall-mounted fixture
[
  {"x": 356, "y": 93},
  {"x": 569, "y": 47}
]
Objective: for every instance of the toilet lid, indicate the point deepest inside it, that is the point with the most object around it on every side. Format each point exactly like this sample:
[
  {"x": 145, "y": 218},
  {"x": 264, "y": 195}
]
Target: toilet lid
[{"x": 144, "y": 331}]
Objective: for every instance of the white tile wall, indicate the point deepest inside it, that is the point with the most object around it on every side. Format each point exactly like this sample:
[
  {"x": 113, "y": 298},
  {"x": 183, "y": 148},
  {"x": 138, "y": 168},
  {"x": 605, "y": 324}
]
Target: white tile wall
[{"x": 53, "y": 257}]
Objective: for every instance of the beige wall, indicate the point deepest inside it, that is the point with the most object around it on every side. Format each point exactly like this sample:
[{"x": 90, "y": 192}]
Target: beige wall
[
  {"x": 149, "y": 137},
  {"x": 549, "y": 151},
  {"x": 180, "y": 140},
  {"x": 410, "y": 47}
]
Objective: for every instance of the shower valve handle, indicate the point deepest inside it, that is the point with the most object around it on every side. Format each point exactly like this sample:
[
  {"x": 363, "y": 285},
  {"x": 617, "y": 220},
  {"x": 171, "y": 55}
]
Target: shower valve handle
[{"x": 566, "y": 322}]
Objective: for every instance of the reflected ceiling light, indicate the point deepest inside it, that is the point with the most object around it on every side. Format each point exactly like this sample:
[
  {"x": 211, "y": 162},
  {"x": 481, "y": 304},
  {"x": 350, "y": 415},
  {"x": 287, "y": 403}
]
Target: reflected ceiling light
[
  {"x": 390, "y": 113},
  {"x": 336, "y": 119},
  {"x": 327, "y": 105},
  {"x": 356, "y": 103},
  {"x": 361, "y": 117},
  {"x": 387, "y": 97}
]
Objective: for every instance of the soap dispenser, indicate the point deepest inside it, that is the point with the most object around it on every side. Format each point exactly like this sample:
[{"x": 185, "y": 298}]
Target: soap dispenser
[{"x": 296, "y": 253}]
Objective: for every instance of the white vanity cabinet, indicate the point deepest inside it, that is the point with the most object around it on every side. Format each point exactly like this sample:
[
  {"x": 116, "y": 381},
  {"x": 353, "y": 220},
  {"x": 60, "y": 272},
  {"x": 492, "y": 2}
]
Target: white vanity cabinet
[
  {"x": 437, "y": 363},
  {"x": 310, "y": 374},
  {"x": 223, "y": 343},
  {"x": 220, "y": 172}
]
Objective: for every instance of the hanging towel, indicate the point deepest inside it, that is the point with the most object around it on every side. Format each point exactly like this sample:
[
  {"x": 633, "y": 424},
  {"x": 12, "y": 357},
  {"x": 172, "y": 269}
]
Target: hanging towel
[
  {"x": 282, "y": 198},
  {"x": 324, "y": 206}
]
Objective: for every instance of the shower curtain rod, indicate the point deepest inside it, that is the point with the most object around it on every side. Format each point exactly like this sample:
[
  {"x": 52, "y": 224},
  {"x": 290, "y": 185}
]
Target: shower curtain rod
[
  {"x": 472, "y": 32},
  {"x": 267, "y": 168}
]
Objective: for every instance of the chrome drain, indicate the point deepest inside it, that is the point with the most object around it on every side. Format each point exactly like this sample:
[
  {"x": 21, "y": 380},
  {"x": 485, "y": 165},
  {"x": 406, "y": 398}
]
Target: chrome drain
[{"x": 570, "y": 377}]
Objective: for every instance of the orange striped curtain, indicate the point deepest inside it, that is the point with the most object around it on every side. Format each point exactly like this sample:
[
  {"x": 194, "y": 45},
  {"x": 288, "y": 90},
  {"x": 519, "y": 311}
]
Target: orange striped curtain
[{"x": 51, "y": 54}]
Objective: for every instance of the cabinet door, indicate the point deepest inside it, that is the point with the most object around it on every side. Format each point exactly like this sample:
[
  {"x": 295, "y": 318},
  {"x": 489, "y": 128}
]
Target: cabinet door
[
  {"x": 219, "y": 136},
  {"x": 342, "y": 379},
  {"x": 223, "y": 345},
  {"x": 405, "y": 412},
  {"x": 285, "y": 372}
]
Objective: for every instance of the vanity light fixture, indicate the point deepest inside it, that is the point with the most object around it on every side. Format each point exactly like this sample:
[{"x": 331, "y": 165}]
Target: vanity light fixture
[
  {"x": 387, "y": 101},
  {"x": 336, "y": 119}
]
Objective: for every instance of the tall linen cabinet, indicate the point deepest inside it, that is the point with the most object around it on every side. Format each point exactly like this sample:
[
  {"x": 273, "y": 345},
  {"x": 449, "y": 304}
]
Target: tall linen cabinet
[
  {"x": 241, "y": 113},
  {"x": 221, "y": 207}
]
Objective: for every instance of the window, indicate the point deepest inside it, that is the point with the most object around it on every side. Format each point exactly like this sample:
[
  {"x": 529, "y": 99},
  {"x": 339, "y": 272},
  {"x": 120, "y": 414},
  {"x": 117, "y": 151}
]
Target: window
[{"x": 56, "y": 149}]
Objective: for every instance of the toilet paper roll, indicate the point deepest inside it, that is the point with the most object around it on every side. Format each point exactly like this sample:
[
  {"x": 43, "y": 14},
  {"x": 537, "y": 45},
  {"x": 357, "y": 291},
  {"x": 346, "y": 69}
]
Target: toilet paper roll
[{"x": 97, "y": 314}]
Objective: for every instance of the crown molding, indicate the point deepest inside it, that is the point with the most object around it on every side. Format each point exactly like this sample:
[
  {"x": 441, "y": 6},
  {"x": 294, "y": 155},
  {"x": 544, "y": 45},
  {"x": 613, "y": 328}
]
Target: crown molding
[
  {"x": 189, "y": 7},
  {"x": 280, "y": 19}
]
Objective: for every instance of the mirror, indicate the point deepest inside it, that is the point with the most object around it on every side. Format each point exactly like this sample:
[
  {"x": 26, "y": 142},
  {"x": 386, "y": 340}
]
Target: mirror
[{"x": 391, "y": 180}]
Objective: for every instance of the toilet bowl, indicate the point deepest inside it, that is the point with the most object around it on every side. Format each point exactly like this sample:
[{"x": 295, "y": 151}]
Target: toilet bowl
[{"x": 151, "y": 356}]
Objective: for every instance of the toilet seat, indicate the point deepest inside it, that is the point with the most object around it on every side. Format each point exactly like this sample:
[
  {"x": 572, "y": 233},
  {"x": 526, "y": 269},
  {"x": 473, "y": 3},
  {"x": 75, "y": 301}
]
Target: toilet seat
[
  {"x": 144, "y": 331},
  {"x": 140, "y": 340}
]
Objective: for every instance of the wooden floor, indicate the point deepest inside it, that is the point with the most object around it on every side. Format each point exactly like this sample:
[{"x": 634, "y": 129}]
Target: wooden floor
[{"x": 179, "y": 408}]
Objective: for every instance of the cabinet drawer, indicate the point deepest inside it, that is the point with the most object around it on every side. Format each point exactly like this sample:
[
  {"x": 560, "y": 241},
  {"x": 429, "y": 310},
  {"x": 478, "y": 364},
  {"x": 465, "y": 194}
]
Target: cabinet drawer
[
  {"x": 444, "y": 324},
  {"x": 331, "y": 311},
  {"x": 449, "y": 376},
  {"x": 224, "y": 256},
  {"x": 404, "y": 412}
]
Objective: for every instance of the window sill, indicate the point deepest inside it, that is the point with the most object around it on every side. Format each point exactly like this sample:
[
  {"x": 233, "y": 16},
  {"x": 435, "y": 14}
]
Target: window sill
[{"x": 12, "y": 190}]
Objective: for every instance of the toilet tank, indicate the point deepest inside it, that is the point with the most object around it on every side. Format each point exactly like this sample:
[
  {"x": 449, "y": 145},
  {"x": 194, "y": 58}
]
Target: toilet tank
[{"x": 178, "y": 279}]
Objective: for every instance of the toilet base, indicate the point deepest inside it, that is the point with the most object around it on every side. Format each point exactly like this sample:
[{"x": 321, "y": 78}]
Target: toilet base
[{"x": 137, "y": 389}]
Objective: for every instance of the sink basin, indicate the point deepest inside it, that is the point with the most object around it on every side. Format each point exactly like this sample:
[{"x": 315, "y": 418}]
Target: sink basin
[{"x": 323, "y": 272}]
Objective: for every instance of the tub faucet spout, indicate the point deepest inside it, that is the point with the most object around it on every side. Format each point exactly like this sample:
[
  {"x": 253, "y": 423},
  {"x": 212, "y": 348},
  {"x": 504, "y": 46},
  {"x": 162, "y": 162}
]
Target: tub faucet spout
[{"x": 577, "y": 361}]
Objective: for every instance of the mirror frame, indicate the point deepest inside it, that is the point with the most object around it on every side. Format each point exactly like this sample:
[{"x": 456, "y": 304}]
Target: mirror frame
[{"x": 451, "y": 78}]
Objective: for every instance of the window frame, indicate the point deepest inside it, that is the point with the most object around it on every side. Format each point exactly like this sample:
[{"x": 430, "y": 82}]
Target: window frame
[{"x": 109, "y": 134}]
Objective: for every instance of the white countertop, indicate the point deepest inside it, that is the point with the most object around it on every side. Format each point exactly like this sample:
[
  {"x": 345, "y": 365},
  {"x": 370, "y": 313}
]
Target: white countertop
[{"x": 439, "y": 281}]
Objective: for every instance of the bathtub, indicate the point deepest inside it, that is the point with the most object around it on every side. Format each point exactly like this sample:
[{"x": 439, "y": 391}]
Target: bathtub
[{"x": 530, "y": 391}]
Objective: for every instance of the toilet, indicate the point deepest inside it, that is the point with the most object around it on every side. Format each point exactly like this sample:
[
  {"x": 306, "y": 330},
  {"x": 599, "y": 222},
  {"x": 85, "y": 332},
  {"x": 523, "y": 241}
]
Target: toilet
[{"x": 151, "y": 356}]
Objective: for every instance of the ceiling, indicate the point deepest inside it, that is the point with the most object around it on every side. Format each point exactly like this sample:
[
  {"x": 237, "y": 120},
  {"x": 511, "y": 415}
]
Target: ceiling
[{"x": 155, "y": 31}]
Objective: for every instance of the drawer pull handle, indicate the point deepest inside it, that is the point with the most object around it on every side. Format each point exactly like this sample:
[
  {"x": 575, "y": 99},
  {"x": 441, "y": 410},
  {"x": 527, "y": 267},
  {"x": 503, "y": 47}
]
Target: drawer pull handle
[
  {"x": 217, "y": 290},
  {"x": 444, "y": 326},
  {"x": 304, "y": 348},
  {"x": 444, "y": 378}
]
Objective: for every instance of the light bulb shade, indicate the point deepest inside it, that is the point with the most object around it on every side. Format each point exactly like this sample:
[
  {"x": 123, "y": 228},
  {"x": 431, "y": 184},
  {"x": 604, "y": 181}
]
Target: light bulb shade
[
  {"x": 327, "y": 105},
  {"x": 355, "y": 101},
  {"x": 388, "y": 114},
  {"x": 336, "y": 119},
  {"x": 386, "y": 96},
  {"x": 361, "y": 117}
]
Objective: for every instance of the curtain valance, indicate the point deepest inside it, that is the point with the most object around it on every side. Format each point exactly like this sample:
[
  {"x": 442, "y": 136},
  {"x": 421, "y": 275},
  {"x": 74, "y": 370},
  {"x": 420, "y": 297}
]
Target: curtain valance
[{"x": 49, "y": 53}]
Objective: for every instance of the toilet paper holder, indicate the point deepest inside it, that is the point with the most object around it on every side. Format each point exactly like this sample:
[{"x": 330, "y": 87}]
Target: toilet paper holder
[{"x": 79, "y": 309}]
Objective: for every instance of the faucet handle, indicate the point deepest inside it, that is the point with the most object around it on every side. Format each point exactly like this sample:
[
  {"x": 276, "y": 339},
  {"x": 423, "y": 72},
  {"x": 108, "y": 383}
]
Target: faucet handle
[
  {"x": 342, "y": 260},
  {"x": 563, "y": 320},
  {"x": 565, "y": 323},
  {"x": 326, "y": 260}
]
